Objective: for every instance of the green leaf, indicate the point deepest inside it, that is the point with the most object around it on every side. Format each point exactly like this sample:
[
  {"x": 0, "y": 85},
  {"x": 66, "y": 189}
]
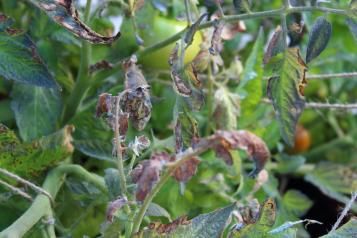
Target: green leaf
[
  {"x": 252, "y": 77},
  {"x": 205, "y": 225},
  {"x": 347, "y": 230},
  {"x": 29, "y": 159},
  {"x": 334, "y": 180},
  {"x": 155, "y": 210},
  {"x": 289, "y": 163},
  {"x": 36, "y": 110},
  {"x": 285, "y": 89},
  {"x": 352, "y": 24},
  {"x": 318, "y": 38},
  {"x": 112, "y": 182},
  {"x": 296, "y": 202},
  {"x": 92, "y": 136},
  {"x": 65, "y": 14},
  {"x": 226, "y": 109},
  {"x": 21, "y": 62}
]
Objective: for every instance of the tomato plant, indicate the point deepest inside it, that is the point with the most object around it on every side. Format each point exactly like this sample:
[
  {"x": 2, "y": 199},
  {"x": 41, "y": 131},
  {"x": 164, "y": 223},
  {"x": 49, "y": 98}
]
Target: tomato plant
[{"x": 237, "y": 120}]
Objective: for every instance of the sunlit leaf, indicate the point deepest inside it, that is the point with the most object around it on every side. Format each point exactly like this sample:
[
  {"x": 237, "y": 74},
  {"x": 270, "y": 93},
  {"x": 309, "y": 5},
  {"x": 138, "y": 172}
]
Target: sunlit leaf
[
  {"x": 318, "y": 38},
  {"x": 286, "y": 90},
  {"x": 226, "y": 109},
  {"x": 296, "y": 202},
  {"x": 65, "y": 14},
  {"x": 36, "y": 110}
]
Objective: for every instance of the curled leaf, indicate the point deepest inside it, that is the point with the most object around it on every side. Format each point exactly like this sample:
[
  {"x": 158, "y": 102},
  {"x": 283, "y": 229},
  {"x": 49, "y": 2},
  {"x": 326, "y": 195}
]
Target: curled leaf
[
  {"x": 64, "y": 13},
  {"x": 114, "y": 206},
  {"x": 216, "y": 45},
  {"x": 186, "y": 170},
  {"x": 255, "y": 147},
  {"x": 136, "y": 99},
  {"x": 275, "y": 45},
  {"x": 318, "y": 38}
]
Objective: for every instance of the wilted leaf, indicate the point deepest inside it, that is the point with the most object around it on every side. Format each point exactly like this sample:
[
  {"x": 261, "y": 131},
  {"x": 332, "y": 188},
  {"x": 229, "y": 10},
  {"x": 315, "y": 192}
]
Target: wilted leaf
[
  {"x": 36, "y": 110},
  {"x": 216, "y": 45},
  {"x": 112, "y": 182},
  {"x": 347, "y": 230},
  {"x": 352, "y": 24},
  {"x": 20, "y": 59},
  {"x": 114, "y": 206},
  {"x": 251, "y": 80},
  {"x": 147, "y": 173},
  {"x": 186, "y": 170},
  {"x": 30, "y": 159},
  {"x": 205, "y": 225},
  {"x": 334, "y": 180},
  {"x": 139, "y": 144},
  {"x": 103, "y": 64},
  {"x": 255, "y": 147},
  {"x": 64, "y": 13},
  {"x": 318, "y": 38},
  {"x": 186, "y": 131},
  {"x": 287, "y": 92},
  {"x": 275, "y": 46},
  {"x": 136, "y": 99}
]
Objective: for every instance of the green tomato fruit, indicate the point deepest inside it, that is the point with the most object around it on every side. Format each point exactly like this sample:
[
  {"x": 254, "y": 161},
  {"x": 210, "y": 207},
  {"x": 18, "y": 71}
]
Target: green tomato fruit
[{"x": 161, "y": 29}]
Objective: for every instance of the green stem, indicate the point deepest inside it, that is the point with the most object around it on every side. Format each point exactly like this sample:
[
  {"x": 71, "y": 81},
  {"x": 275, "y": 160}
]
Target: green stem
[
  {"x": 209, "y": 98},
  {"x": 246, "y": 16},
  {"x": 83, "y": 80},
  {"x": 42, "y": 204},
  {"x": 132, "y": 162}
]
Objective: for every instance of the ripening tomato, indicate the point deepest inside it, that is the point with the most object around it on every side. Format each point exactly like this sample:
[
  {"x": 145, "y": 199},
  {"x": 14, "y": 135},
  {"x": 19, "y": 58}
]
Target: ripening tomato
[
  {"x": 161, "y": 29},
  {"x": 302, "y": 140}
]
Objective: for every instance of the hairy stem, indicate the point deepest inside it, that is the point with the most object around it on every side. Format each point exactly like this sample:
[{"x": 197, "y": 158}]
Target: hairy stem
[{"x": 42, "y": 204}]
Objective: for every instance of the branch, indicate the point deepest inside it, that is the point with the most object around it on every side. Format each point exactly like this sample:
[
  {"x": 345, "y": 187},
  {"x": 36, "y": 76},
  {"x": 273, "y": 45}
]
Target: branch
[
  {"x": 16, "y": 190},
  {"x": 331, "y": 76},
  {"x": 42, "y": 205},
  {"x": 318, "y": 105},
  {"x": 344, "y": 212}
]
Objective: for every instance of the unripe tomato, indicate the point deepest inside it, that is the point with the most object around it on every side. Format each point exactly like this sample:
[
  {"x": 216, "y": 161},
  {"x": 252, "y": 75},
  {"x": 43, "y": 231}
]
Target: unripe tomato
[
  {"x": 161, "y": 29},
  {"x": 302, "y": 140}
]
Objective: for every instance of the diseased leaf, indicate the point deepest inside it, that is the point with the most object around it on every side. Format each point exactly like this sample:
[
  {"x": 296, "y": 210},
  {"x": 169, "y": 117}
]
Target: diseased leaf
[
  {"x": 114, "y": 206},
  {"x": 251, "y": 80},
  {"x": 275, "y": 46},
  {"x": 205, "y": 225},
  {"x": 318, "y": 38},
  {"x": 286, "y": 90},
  {"x": 64, "y": 13},
  {"x": 264, "y": 223},
  {"x": 347, "y": 230},
  {"x": 30, "y": 159},
  {"x": 216, "y": 45},
  {"x": 187, "y": 170},
  {"x": 36, "y": 110},
  {"x": 186, "y": 131},
  {"x": 334, "y": 180},
  {"x": 352, "y": 24},
  {"x": 19, "y": 58}
]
